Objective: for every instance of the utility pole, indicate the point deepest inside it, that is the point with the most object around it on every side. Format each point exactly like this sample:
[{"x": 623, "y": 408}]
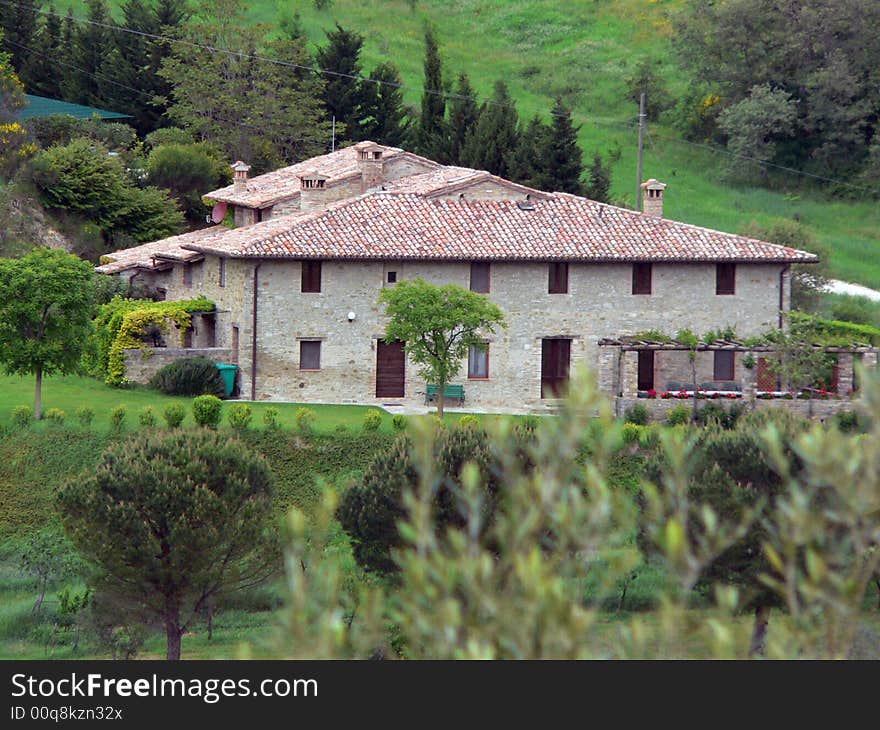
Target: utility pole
[{"x": 641, "y": 151}]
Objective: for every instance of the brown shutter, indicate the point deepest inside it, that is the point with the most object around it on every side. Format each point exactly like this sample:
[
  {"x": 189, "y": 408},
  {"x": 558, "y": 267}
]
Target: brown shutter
[
  {"x": 558, "y": 278},
  {"x": 309, "y": 355},
  {"x": 480, "y": 277},
  {"x": 641, "y": 279},
  {"x": 311, "y": 276},
  {"x": 724, "y": 369},
  {"x": 725, "y": 278}
]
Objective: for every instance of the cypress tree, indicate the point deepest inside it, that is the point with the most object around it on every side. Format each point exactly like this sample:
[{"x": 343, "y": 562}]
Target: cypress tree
[
  {"x": 599, "y": 184},
  {"x": 562, "y": 157},
  {"x": 382, "y": 114},
  {"x": 134, "y": 67},
  {"x": 342, "y": 93},
  {"x": 65, "y": 57},
  {"x": 493, "y": 143},
  {"x": 527, "y": 166},
  {"x": 463, "y": 115},
  {"x": 89, "y": 52},
  {"x": 433, "y": 137}
]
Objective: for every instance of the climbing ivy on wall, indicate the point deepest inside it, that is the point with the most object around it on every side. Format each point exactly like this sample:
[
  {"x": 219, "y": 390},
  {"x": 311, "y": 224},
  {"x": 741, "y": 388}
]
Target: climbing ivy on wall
[{"x": 122, "y": 323}]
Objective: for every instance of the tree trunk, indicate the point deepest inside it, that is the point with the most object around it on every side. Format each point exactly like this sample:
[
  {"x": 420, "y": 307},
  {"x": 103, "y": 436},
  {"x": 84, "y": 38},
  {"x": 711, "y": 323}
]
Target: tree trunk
[
  {"x": 173, "y": 635},
  {"x": 440, "y": 400},
  {"x": 38, "y": 396},
  {"x": 759, "y": 633},
  {"x": 694, "y": 373}
]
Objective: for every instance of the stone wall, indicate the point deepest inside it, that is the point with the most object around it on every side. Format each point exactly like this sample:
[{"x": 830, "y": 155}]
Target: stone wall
[
  {"x": 817, "y": 409},
  {"x": 141, "y": 365},
  {"x": 599, "y": 304}
]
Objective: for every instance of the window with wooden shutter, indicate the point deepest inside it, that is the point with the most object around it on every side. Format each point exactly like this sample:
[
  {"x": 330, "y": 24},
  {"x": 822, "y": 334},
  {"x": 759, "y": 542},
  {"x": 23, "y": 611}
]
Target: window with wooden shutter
[
  {"x": 478, "y": 361},
  {"x": 310, "y": 355},
  {"x": 641, "y": 279},
  {"x": 558, "y": 278},
  {"x": 480, "y": 277},
  {"x": 723, "y": 369},
  {"x": 311, "y": 276},
  {"x": 725, "y": 278}
]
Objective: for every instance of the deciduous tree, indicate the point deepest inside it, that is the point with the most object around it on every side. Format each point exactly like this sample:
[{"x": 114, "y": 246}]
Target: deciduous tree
[
  {"x": 438, "y": 324},
  {"x": 47, "y": 299}
]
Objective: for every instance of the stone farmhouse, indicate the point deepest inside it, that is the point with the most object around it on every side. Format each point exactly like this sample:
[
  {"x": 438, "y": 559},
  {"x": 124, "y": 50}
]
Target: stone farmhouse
[{"x": 296, "y": 282}]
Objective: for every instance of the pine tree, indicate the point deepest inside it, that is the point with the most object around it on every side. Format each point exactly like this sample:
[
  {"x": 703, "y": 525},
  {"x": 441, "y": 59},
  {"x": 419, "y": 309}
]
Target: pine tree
[
  {"x": 20, "y": 26},
  {"x": 599, "y": 184},
  {"x": 382, "y": 115},
  {"x": 342, "y": 88},
  {"x": 65, "y": 57},
  {"x": 91, "y": 42},
  {"x": 494, "y": 141},
  {"x": 463, "y": 116},
  {"x": 42, "y": 74},
  {"x": 133, "y": 68},
  {"x": 563, "y": 161},
  {"x": 433, "y": 134}
]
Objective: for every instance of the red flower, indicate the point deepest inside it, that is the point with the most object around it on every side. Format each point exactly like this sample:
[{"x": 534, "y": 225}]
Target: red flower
[
  {"x": 683, "y": 393},
  {"x": 652, "y": 393}
]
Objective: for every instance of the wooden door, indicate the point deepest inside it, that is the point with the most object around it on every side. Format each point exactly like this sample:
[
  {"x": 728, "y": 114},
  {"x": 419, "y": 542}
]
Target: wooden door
[
  {"x": 390, "y": 370},
  {"x": 555, "y": 364},
  {"x": 646, "y": 370}
]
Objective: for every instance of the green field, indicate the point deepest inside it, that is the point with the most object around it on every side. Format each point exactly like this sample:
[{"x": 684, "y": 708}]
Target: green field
[{"x": 584, "y": 51}]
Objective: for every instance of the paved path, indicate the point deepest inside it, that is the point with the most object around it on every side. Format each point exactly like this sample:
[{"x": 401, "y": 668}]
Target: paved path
[{"x": 854, "y": 290}]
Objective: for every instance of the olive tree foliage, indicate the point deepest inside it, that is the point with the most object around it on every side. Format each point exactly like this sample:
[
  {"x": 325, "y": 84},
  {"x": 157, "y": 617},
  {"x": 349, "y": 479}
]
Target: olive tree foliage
[
  {"x": 438, "y": 324},
  {"x": 47, "y": 299},
  {"x": 564, "y": 520},
  {"x": 172, "y": 523}
]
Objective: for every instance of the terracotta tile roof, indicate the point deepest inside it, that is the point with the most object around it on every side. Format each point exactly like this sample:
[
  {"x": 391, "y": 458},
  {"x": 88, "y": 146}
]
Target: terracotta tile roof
[
  {"x": 284, "y": 183},
  {"x": 386, "y": 225},
  {"x": 448, "y": 179},
  {"x": 143, "y": 256}
]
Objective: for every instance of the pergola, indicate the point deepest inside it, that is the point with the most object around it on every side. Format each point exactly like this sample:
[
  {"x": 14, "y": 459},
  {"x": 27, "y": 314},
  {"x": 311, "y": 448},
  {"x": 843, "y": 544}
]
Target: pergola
[{"x": 618, "y": 360}]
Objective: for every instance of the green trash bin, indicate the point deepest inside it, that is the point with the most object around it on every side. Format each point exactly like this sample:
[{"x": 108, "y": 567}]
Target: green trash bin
[{"x": 227, "y": 372}]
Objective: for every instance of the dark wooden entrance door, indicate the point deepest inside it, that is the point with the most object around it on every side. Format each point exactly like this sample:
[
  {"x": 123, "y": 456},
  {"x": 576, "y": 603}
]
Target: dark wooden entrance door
[
  {"x": 390, "y": 370},
  {"x": 555, "y": 364},
  {"x": 646, "y": 370}
]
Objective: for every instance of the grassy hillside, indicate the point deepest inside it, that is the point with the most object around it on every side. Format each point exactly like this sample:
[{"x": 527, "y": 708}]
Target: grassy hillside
[{"x": 584, "y": 50}]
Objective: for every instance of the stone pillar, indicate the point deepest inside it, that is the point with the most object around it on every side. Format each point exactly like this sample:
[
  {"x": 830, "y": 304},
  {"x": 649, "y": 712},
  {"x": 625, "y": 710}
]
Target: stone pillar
[
  {"x": 629, "y": 376},
  {"x": 607, "y": 370},
  {"x": 845, "y": 373},
  {"x": 750, "y": 381}
]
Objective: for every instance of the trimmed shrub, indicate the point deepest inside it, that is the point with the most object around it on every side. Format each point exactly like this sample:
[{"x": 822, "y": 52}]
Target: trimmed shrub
[
  {"x": 55, "y": 416},
  {"x": 848, "y": 421},
  {"x": 469, "y": 420},
  {"x": 117, "y": 418},
  {"x": 399, "y": 422},
  {"x": 718, "y": 414},
  {"x": 678, "y": 416},
  {"x": 632, "y": 433},
  {"x": 147, "y": 417},
  {"x": 636, "y": 414},
  {"x": 174, "y": 415},
  {"x": 22, "y": 416},
  {"x": 190, "y": 376},
  {"x": 372, "y": 420},
  {"x": 239, "y": 416},
  {"x": 305, "y": 418},
  {"x": 85, "y": 416},
  {"x": 270, "y": 419},
  {"x": 207, "y": 410}
]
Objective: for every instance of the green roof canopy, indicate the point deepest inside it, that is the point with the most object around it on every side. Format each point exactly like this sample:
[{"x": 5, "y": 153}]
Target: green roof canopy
[{"x": 43, "y": 106}]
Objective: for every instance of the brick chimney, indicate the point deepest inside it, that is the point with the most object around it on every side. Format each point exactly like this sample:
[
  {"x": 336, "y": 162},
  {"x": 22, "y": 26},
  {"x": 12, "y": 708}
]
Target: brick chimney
[
  {"x": 371, "y": 164},
  {"x": 652, "y": 197},
  {"x": 239, "y": 176},
  {"x": 312, "y": 191}
]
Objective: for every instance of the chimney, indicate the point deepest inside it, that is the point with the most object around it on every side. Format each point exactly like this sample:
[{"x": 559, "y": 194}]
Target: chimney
[
  {"x": 371, "y": 164},
  {"x": 312, "y": 191},
  {"x": 652, "y": 198},
  {"x": 239, "y": 176}
]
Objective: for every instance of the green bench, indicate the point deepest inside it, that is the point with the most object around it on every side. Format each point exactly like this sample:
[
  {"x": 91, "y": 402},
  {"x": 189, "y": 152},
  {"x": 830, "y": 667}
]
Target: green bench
[{"x": 450, "y": 392}]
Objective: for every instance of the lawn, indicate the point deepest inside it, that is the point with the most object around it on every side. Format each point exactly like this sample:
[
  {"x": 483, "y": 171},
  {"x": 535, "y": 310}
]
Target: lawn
[
  {"x": 69, "y": 393},
  {"x": 584, "y": 52}
]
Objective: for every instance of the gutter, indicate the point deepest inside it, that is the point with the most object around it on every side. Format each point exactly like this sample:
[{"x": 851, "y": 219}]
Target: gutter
[
  {"x": 254, "y": 333},
  {"x": 785, "y": 269}
]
